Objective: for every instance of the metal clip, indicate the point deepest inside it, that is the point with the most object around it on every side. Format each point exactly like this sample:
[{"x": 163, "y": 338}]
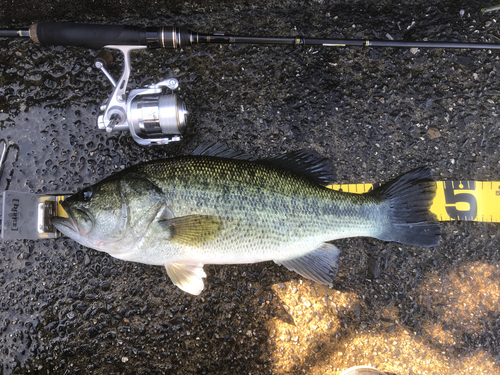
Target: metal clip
[{"x": 3, "y": 154}]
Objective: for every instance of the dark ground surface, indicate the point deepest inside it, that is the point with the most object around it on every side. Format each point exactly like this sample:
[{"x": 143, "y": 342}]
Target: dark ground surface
[{"x": 65, "y": 309}]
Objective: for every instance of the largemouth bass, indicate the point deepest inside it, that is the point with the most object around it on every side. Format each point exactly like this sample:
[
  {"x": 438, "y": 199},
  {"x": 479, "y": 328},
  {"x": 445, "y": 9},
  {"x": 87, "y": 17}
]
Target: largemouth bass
[{"x": 218, "y": 207}]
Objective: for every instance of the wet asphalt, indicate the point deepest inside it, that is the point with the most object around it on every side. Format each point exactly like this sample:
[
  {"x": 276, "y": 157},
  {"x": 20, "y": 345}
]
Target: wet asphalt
[{"x": 65, "y": 309}]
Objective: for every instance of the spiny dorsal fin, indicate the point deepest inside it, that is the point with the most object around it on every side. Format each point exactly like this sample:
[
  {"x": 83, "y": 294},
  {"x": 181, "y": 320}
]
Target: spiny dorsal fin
[
  {"x": 308, "y": 163},
  {"x": 220, "y": 150},
  {"x": 188, "y": 277},
  {"x": 193, "y": 230},
  {"x": 319, "y": 265}
]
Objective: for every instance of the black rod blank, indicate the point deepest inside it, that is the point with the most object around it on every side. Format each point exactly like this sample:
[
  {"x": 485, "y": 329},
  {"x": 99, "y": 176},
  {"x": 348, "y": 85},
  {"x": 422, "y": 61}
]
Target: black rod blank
[
  {"x": 349, "y": 42},
  {"x": 97, "y": 36},
  {"x": 12, "y": 33}
]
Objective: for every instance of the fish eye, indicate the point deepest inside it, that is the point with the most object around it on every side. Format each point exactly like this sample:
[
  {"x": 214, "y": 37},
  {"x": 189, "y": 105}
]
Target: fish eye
[{"x": 85, "y": 194}]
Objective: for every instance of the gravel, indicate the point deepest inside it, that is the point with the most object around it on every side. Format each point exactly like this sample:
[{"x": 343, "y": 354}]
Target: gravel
[{"x": 65, "y": 309}]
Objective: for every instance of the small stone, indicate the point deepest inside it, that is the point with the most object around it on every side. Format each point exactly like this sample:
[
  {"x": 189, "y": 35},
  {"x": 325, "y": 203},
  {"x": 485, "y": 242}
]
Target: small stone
[
  {"x": 124, "y": 359},
  {"x": 433, "y": 132},
  {"x": 106, "y": 272},
  {"x": 414, "y": 50}
]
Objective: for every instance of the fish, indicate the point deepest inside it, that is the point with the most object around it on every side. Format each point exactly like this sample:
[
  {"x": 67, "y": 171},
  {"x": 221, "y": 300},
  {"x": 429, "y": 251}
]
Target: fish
[{"x": 219, "y": 206}]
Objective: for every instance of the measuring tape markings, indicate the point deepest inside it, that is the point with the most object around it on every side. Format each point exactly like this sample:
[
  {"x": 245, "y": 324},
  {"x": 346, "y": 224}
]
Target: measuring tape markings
[{"x": 454, "y": 200}]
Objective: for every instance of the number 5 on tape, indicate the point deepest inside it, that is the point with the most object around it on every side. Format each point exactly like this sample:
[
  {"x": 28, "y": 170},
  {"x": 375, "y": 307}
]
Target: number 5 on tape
[
  {"x": 467, "y": 200},
  {"x": 455, "y": 200}
]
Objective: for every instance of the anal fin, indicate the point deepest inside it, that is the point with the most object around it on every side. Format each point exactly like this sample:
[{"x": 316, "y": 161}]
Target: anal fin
[
  {"x": 188, "y": 277},
  {"x": 319, "y": 265}
]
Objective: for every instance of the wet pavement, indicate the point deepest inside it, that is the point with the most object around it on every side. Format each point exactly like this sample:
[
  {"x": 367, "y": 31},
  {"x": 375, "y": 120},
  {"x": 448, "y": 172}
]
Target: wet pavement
[{"x": 65, "y": 309}]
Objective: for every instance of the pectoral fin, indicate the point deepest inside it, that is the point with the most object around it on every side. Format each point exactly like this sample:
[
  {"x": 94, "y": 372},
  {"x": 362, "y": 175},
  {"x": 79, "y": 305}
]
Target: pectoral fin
[
  {"x": 188, "y": 277},
  {"x": 319, "y": 265},
  {"x": 193, "y": 230}
]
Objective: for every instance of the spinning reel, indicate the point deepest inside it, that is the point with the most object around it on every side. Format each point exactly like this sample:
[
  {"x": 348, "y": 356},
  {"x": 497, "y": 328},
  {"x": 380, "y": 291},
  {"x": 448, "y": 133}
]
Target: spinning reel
[{"x": 154, "y": 115}]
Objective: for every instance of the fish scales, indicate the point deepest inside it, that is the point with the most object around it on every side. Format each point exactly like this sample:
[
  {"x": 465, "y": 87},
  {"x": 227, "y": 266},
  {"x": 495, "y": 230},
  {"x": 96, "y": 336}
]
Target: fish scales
[
  {"x": 188, "y": 211},
  {"x": 264, "y": 209}
]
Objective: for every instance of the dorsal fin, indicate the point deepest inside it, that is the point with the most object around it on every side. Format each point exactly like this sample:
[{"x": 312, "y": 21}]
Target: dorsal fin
[
  {"x": 220, "y": 150},
  {"x": 308, "y": 163}
]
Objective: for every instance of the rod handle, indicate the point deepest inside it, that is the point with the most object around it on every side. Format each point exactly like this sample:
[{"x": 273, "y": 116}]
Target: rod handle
[
  {"x": 97, "y": 36},
  {"x": 87, "y": 35}
]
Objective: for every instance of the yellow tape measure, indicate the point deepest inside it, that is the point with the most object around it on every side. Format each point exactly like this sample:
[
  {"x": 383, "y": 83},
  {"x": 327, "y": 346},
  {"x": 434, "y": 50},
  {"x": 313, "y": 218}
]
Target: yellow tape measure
[{"x": 455, "y": 200}]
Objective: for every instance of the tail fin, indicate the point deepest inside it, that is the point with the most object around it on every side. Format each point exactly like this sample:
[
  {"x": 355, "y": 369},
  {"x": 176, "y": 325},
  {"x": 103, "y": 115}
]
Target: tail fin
[{"x": 410, "y": 198}]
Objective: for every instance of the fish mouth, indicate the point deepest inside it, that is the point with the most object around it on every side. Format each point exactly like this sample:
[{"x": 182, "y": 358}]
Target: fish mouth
[
  {"x": 62, "y": 223},
  {"x": 67, "y": 225}
]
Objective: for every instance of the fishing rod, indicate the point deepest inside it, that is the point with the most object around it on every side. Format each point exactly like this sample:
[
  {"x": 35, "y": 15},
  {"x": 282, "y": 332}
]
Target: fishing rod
[{"x": 151, "y": 114}]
